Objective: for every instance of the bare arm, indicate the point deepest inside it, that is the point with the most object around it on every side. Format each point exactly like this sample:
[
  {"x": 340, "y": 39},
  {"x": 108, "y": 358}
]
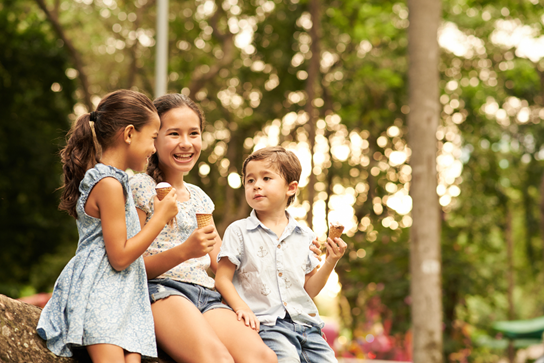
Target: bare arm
[
  {"x": 199, "y": 243},
  {"x": 316, "y": 280},
  {"x": 223, "y": 284},
  {"x": 108, "y": 199}
]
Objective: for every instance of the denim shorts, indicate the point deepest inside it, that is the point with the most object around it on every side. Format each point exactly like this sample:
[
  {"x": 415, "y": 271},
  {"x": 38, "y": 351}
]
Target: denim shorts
[
  {"x": 293, "y": 342},
  {"x": 203, "y": 298}
]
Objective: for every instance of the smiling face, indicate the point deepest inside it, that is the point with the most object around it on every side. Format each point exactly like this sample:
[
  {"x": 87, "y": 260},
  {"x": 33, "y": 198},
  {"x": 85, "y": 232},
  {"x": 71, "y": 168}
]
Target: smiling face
[
  {"x": 266, "y": 190},
  {"x": 180, "y": 141},
  {"x": 142, "y": 144}
]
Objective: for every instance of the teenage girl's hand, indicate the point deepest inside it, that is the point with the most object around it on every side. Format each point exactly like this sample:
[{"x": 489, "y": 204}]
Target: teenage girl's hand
[
  {"x": 335, "y": 249},
  {"x": 315, "y": 248},
  {"x": 201, "y": 242},
  {"x": 166, "y": 208},
  {"x": 249, "y": 318}
]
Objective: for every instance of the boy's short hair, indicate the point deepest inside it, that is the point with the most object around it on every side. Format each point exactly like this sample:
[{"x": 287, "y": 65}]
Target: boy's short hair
[{"x": 284, "y": 161}]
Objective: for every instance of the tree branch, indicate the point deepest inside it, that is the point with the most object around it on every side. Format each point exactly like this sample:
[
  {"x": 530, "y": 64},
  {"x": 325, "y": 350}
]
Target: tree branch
[
  {"x": 74, "y": 54},
  {"x": 228, "y": 54}
]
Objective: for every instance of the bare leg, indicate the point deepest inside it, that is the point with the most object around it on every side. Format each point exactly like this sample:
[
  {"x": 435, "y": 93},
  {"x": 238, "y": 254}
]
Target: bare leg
[
  {"x": 132, "y": 357},
  {"x": 106, "y": 353},
  {"x": 184, "y": 334},
  {"x": 244, "y": 344}
]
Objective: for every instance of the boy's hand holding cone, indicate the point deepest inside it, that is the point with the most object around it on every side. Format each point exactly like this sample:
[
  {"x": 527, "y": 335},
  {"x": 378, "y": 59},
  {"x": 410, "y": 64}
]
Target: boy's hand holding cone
[
  {"x": 336, "y": 249},
  {"x": 162, "y": 190},
  {"x": 335, "y": 231}
]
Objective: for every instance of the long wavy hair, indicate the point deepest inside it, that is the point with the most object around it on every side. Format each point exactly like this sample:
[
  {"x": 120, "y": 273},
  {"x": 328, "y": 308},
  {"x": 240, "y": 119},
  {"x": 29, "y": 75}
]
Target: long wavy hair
[
  {"x": 87, "y": 139},
  {"x": 164, "y": 104}
]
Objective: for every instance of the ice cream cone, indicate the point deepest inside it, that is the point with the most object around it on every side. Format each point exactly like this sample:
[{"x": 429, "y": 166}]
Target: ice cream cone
[
  {"x": 162, "y": 190},
  {"x": 203, "y": 220},
  {"x": 335, "y": 231}
]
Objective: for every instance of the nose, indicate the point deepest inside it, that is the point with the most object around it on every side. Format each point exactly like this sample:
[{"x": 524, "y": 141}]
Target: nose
[{"x": 184, "y": 141}]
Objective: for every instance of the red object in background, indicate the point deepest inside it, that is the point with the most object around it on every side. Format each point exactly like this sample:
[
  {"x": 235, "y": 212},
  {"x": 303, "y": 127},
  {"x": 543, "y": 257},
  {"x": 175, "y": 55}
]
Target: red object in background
[
  {"x": 331, "y": 331},
  {"x": 38, "y": 300}
]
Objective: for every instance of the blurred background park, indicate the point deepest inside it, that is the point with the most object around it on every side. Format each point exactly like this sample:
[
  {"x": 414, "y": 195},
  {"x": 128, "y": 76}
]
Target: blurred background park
[{"x": 335, "y": 91}]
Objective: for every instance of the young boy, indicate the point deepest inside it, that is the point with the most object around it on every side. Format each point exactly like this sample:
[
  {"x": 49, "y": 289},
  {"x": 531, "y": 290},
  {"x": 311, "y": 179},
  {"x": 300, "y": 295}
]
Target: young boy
[{"x": 266, "y": 272}]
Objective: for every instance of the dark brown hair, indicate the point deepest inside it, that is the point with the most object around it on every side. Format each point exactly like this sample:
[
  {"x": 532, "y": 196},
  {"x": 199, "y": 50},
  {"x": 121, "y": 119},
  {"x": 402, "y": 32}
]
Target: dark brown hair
[
  {"x": 164, "y": 104},
  {"x": 284, "y": 161},
  {"x": 115, "y": 111}
]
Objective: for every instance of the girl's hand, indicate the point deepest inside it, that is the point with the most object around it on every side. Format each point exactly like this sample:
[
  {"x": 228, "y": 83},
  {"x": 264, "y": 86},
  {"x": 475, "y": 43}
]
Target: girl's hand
[
  {"x": 315, "y": 248},
  {"x": 166, "y": 208},
  {"x": 335, "y": 249},
  {"x": 249, "y": 318},
  {"x": 201, "y": 242}
]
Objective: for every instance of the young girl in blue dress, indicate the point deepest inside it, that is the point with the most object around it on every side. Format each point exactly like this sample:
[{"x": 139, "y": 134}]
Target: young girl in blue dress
[{"x": 100, "y": 300}]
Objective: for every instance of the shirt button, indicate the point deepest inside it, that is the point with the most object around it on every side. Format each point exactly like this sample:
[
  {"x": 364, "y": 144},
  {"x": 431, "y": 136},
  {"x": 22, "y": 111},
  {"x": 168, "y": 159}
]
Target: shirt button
[
  {"x": 280, "y": 274},
  {"x": 284, "y": 304},
  {"x": 279, "y": 246}
]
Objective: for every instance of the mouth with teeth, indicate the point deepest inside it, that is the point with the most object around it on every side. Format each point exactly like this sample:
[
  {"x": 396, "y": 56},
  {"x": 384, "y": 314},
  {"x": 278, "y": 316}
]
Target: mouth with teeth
[{"x": 183, "y": 157}]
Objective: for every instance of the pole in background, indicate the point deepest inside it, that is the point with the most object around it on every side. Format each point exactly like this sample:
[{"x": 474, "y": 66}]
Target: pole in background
[{"x": 161, "y": 56}]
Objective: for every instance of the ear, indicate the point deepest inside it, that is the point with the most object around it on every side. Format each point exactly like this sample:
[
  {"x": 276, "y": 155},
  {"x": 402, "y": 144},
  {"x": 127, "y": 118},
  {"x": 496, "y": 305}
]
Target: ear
[
  {"x": 128, "y": 133},
  {"x": 292, "y": 188}
]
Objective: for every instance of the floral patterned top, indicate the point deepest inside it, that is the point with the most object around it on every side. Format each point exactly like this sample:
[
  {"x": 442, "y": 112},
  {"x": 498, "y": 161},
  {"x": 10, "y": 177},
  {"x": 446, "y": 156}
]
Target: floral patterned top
[
  {"x": 193, "y": 270},
  {"x": 92, "y": 303}
]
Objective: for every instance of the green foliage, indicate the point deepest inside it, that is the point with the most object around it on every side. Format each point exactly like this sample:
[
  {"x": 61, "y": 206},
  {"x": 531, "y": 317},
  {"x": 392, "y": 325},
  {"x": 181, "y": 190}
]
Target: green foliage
[
  {"x": 361, "y": 94},
  {"x": 33, "y": 124}
]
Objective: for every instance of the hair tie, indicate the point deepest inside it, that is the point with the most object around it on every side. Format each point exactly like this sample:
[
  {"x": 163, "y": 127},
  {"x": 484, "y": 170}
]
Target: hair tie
[{"x": 93, "y": 116}]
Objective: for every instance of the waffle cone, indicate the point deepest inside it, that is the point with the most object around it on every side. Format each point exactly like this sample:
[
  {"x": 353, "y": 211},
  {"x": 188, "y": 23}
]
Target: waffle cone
[
  {"x": 162, "y": 192},
  {"x": 335, "y": 231},
  {"x": 203, "y": 220}
]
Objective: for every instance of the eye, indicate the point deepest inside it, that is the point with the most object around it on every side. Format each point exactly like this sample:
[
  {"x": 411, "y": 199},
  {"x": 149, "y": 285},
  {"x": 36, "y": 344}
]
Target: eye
[
  {"x": 267, "y": 178},
  {"x": 195, "y": 133},
  {"x": 173, "y": 133}
]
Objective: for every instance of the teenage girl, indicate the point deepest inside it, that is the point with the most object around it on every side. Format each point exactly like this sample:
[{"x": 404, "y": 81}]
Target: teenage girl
[
  {"x": 100, "y": 300},
  {"x": 191, "y": 322}
]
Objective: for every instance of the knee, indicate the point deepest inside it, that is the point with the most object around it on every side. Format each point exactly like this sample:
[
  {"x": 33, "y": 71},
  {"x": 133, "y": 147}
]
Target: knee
[
  {"x": 268, "y": 355},
  {"x": 223, "y": 356}
]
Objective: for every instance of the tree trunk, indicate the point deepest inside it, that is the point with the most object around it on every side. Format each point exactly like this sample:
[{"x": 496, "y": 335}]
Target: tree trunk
[
  {"x": 510, "y": 276},
  {"x": 541, "y": 74},
  {"x": 312, "y": 84},
  {"x": 423, "y": 119},
  {"x": 19, "y": 341},
  {"x": 542, "y": 216}
]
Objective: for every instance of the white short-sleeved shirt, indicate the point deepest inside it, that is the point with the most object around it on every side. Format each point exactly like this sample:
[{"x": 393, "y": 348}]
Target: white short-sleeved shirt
[
  {"x": 271, "y": 271},
  {"x": 194, "y": 270}
]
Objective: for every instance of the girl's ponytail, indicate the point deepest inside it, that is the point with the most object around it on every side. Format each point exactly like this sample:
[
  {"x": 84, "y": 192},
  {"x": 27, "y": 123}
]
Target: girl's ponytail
[
  {"x": 79, "y": 155},
  {"x": 116, "y": 111}
]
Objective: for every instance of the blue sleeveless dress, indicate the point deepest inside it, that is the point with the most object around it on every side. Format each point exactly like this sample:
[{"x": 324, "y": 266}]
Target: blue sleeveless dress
[{"x": 92, "y": 303}]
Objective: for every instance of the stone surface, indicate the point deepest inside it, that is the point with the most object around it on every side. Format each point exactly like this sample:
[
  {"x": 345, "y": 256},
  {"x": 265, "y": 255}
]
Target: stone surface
[{"x": 19, "y": 341}]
